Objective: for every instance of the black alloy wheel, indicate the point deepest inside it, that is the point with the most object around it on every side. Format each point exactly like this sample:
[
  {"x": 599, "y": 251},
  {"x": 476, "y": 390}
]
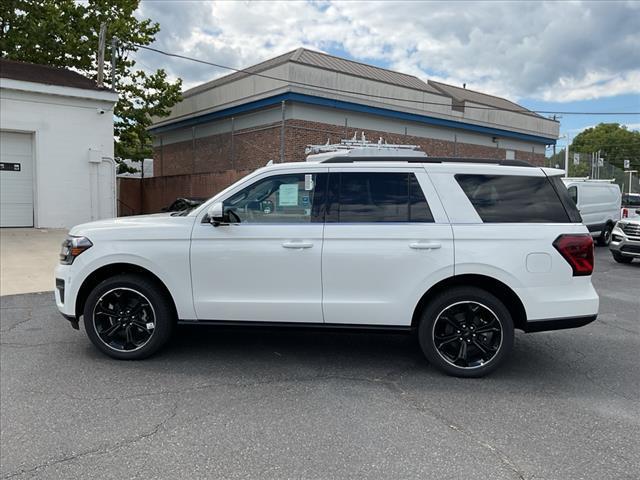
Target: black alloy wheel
[
  {"x": 466, "y": 332},
  {"x": 124, "y": 319},
  {"x": 129, "y": 316}
]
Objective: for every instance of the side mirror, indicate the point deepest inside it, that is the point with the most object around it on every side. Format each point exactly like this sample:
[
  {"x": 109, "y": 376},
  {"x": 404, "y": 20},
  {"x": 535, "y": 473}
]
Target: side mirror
[{"x": 215, "y": 214}]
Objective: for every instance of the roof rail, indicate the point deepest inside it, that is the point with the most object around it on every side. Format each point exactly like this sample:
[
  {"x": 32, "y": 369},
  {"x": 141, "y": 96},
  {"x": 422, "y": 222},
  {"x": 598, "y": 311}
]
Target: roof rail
[
  {"x": 589, "y": 180},
  {"x": 493, "y": 161}
]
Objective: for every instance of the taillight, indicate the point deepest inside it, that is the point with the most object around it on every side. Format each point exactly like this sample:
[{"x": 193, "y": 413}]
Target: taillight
[
  {"x": 625, "y": 213},
  {"x": 577, "y": 250}
]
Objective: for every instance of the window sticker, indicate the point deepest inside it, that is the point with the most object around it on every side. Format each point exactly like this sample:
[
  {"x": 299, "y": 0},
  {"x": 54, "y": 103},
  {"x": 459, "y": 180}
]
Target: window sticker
[
  {"x": 288, "y": 195},
  {"x": 308, "y": 182}
]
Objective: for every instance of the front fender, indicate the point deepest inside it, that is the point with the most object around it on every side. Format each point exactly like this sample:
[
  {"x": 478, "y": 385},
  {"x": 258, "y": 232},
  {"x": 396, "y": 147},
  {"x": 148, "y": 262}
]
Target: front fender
[{"x": 173, "y": 271}]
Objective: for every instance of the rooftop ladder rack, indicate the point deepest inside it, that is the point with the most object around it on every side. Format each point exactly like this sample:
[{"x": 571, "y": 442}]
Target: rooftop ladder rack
[{"x": 361, "y": 147}]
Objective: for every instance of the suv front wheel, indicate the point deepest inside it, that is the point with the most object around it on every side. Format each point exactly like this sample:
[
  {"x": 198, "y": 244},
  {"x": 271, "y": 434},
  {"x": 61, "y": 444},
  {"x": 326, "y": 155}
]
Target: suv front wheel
[
  {"x": 466, "y": 332},
  {"x": 127, "y": 317}
]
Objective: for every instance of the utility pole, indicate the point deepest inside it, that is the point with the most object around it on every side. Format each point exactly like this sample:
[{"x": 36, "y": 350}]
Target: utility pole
[
  {"x": 114, "y": 57},
  {"x": 101, "y": 40},
  {"x": 630, "y": 172},
  {"x": 556, "y": 118}
]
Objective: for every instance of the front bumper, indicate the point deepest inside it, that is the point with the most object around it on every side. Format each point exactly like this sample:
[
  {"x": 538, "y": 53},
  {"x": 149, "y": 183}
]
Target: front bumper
[
  {"x": 60, "y": 300},
  {"x": 624, "y": 244}
]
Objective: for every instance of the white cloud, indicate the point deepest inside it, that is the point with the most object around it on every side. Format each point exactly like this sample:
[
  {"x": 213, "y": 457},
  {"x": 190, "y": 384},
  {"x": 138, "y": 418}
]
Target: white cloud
[{"x": 554, "y": 51}]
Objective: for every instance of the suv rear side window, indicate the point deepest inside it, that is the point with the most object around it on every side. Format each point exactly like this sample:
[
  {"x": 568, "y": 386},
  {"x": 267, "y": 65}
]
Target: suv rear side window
[
  {"x": 376, "y": 197},
  {"x": 514, "y": 198}
]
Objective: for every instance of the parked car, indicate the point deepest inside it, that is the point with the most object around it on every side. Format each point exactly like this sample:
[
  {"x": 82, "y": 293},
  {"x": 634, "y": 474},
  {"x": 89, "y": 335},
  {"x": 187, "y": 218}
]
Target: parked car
[
  {"x": 460, "y": 252},
  {"x": 630, "y": 205},
  {"x": 599, "y": 204},
  {"x": 182, "y": 204},
  {"x": 625, "y": 239}
]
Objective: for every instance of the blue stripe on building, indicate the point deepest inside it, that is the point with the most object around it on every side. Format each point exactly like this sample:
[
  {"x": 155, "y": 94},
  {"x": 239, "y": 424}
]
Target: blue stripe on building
[{"x": 348, "y": 106}]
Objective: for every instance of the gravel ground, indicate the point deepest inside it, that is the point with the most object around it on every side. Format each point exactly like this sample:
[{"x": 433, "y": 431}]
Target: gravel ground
[{"x": 221, "y": 403}]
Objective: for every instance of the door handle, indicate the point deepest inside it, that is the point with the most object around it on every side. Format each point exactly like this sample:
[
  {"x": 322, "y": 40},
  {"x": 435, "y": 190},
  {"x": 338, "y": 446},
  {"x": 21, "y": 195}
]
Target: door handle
[
  {"x": 425, "y": 245},
  {"x": 297, "y": 244}
]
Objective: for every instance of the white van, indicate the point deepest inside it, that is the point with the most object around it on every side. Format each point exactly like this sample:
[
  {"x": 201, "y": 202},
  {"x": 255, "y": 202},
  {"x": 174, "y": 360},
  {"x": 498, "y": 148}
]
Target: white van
[{"x": 599, "y": 204}]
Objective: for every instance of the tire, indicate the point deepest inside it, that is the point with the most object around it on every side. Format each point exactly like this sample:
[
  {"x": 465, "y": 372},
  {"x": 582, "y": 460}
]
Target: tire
[
  {"x": 621, "y": 258},
  {"x": 122, "y": 328},
  {"x": 605, "y": 236},
  {"x": 471, "y": 310}
]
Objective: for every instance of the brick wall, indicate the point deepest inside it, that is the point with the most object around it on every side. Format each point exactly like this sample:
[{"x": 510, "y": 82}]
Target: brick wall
[
  {"x": 252, "y": 148},
  {"x": 204, "y": 166},
  {"x": 128, "y": 196}
]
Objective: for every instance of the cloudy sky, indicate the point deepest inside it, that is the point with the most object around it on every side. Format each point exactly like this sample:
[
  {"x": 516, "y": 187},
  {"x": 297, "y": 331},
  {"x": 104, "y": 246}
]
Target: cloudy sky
[{"x": 558, "y": 56}]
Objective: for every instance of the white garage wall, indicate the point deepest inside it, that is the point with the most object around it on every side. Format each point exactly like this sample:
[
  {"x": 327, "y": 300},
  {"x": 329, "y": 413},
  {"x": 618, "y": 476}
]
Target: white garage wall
[{"x": 66, "y": 123}]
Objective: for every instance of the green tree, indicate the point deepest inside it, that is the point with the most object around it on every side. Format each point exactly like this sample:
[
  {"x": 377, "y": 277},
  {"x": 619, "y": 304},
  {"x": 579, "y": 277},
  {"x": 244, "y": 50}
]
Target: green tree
[
  {"x": 614, "y": 142},
  {"x": 63, "y": 33}
]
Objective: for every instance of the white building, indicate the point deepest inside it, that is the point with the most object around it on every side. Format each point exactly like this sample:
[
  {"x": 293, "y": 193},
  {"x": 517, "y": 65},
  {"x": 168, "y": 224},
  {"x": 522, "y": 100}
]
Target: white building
[{"x": 56, "y": 147}]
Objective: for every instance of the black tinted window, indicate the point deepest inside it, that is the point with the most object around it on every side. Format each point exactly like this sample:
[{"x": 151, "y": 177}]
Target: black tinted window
[
  {"x": 569, "y": 203},
  {"x": 376, "y": 197},
  {"x": 511, "y": 198}
]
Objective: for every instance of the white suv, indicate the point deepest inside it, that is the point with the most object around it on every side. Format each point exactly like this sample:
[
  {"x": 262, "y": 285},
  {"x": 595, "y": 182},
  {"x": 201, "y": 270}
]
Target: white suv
[{"x": 460, "y": 251}]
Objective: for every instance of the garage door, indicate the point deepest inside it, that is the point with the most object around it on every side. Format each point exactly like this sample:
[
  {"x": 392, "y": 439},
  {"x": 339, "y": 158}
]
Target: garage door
[{"x": 16, "y": 179}]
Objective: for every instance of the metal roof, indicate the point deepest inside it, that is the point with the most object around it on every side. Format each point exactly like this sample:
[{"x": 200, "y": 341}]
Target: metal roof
[
  {"x": 325, "y": 61},
  {"x": 272, "y": 62},
  {"x": 350, "y": 67},
  {"x": 466, "y": 95}
]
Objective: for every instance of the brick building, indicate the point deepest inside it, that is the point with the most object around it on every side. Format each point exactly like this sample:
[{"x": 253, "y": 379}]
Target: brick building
[{"x": 271, "y": 111}]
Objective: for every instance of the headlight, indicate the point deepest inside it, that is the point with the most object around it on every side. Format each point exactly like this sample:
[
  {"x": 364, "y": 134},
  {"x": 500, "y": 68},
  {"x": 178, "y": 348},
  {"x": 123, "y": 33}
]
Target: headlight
[{"x": 72, "y": 247}]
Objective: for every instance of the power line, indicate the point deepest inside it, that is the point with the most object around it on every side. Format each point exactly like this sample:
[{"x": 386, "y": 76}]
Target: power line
[{"x": 352, "y": 92}]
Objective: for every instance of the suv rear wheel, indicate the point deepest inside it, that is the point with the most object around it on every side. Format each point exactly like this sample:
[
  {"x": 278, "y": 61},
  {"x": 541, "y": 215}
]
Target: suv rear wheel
[
  {"x": 127, "y": 317},
  {"x": 466, "y": 332}
]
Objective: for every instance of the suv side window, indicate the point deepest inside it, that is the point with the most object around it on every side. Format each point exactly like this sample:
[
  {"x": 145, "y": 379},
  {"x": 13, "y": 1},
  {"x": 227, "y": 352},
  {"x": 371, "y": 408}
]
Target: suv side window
[
  {"x": 514, "y": 198},
  {"x": 573, "y": 193},
  {"x": 286, "y": 198},
  {"x": 376, "y": 197}
]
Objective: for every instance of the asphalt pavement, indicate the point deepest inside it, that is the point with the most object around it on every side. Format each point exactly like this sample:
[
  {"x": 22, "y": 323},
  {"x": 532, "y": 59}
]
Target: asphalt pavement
[{"x": 222, "y": 403}]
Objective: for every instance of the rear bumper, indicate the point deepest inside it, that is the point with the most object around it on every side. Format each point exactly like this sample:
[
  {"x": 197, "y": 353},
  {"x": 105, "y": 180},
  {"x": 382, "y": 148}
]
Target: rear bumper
[
  {"x": 558, "y": 323},
  {"x": 574, "y": 299}
]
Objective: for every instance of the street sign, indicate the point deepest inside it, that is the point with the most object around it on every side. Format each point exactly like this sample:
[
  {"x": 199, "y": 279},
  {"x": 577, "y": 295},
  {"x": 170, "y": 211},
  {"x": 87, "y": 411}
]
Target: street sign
[
  {"x": 627, "y": 164},
  {"x": 601, "y": 162},
  {"x": 576, "y": 159}
]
